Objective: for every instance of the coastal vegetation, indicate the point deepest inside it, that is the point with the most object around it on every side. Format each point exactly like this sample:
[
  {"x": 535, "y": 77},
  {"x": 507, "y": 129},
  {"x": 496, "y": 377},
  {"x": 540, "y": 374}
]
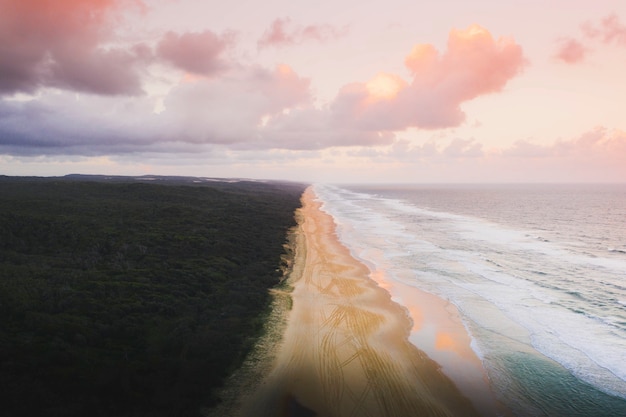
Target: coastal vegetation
[{"x": 130, "y": 297}]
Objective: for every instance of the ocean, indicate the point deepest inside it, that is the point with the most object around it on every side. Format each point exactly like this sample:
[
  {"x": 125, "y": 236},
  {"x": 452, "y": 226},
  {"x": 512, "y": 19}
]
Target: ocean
[{"x": 537, "y": 274}]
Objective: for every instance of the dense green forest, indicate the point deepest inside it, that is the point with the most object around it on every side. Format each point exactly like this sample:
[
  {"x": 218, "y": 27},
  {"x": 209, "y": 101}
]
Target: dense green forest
[{"x": 123, "y": 297}]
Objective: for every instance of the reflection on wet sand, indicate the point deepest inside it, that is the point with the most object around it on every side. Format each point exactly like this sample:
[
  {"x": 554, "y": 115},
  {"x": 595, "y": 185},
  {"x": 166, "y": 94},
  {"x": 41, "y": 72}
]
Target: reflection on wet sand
[{"x": 345, "y": 351}]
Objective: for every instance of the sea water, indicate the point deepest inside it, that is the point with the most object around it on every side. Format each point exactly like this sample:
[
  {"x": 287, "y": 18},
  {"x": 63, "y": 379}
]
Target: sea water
[{"x": 537, "y": 273}]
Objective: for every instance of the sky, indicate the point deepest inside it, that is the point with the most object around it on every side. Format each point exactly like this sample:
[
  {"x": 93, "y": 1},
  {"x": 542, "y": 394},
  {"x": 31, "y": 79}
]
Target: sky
[{"x": 339, "y": 91}]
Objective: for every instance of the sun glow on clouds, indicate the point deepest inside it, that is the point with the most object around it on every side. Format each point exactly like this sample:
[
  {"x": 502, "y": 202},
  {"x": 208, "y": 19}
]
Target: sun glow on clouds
[
  {"x": 47, "y": 43},
  {"x": 385, "y": 86},
  {"x": 249, "y": 89},
  {"x": 474, "y": 64}
]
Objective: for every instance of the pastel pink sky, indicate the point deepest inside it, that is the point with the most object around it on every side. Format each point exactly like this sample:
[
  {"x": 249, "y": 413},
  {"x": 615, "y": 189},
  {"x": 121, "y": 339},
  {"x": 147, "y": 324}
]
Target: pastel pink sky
[{"x": 335, "y": 91}]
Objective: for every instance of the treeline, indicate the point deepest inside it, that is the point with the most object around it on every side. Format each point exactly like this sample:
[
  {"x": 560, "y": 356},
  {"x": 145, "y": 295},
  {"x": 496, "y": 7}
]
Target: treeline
[{"x": 129, "y": 298}]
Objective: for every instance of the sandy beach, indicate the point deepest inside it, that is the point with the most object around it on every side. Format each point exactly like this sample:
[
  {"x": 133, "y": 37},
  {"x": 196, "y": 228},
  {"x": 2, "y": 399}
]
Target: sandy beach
[{"x": 345, "y": 349}]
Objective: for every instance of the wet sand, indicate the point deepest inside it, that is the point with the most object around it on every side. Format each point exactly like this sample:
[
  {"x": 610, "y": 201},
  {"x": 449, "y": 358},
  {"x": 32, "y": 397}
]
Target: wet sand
[
  {"x": 345, "y": 349},
  {"x": 439, "y": 332}
]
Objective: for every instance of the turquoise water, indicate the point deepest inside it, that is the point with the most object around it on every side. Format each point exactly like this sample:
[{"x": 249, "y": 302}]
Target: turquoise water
[{"x": 538, "y": 274}]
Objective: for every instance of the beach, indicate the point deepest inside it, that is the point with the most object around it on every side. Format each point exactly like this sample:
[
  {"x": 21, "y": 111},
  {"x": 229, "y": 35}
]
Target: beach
[{"x": 345, "y": 348}]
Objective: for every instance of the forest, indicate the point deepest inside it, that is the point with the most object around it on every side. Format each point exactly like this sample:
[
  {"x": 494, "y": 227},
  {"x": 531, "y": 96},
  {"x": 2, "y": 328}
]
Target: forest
[{"x": 133, "y": 297}]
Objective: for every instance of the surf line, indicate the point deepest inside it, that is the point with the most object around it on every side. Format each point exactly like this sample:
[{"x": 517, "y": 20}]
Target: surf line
[{"x": 345, "y": 350}]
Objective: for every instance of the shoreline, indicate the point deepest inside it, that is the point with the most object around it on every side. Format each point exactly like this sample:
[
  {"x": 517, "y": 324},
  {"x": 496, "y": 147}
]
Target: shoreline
[
  {"x": 240, "y": 386},
  {"x": 345, "y": 347},
  {"x": 438, "y": 330}
]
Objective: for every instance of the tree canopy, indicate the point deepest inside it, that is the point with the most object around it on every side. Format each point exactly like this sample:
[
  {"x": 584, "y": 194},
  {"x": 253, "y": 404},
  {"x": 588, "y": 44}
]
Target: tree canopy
[{"x": 127, "y": 298}]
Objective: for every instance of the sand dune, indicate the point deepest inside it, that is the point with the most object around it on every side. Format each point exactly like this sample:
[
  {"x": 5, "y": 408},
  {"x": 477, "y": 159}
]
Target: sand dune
[{"x": 345, "y": 350}]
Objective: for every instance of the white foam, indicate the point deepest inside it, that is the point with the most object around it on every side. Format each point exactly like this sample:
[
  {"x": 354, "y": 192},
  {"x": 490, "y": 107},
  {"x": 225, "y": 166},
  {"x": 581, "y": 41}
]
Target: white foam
[{"x": 467, "y": 260}]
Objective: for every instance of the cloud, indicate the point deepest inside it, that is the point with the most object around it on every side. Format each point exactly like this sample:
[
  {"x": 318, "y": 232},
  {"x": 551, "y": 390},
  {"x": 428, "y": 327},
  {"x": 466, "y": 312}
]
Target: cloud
[
  {"x": 609, "y": 30},
  {"x": 282, "y": 87},
  {"x": 474, "y": 64},
  {"x": 434, "y": 149},
  {"x": 197, "y": 53},
  {"x": 463, "y": 148},
  {"x": 598, "y": 148},
  {"x": 282, "y": 32},
  {"x": 62, "y": 44},
  {"x": 64, "y": 123},
  {"x": 246, "y": 106},
  {"x": 599, "y": 143},
  {"x": 571, "y": 51},
  {"x": 231, "y": 110},
  {"x": 258, "y": 108},
  {"x": 200, "y": 111},
  {"x": 598, "y": 155},
  {"x": 309, "y": 128}
]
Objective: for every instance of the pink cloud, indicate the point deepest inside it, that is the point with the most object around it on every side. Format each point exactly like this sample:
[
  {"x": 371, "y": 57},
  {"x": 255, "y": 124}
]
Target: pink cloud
[
  {"x": 527, "y": 149},
  {"x": 283, "y": 87},
  {"x": 197, "y": 53},
  {"x": 463, "y": 148},
  {"x": 201, "y": 112},
  {"x": 609, "y": 30},
  {"x": 598, "y": 155},
  {"x": 571, "y": 51},
  {"x": 435, "y": 149},
  {"x": 60, "y": 44},
  {"x": 310, "y": 128},
  {"x": 282, "y": 33},
  {"x": 367, "y": 114},
  {"x": 597, "y": 144},
  {"x": 276, "y": 34},
  {"x": 240, "y": 106},
  {"x": 231, "y": 110},
  {"x": 474, "y": 64}
]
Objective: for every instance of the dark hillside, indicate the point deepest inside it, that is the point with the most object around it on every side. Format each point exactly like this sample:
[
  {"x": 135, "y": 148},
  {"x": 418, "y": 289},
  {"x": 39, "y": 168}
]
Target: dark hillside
[{"x": 129, "y": 298}]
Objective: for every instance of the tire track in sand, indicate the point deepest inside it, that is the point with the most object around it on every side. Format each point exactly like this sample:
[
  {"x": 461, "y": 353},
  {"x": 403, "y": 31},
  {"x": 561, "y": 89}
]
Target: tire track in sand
[{"x": 345, "y": 351}]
